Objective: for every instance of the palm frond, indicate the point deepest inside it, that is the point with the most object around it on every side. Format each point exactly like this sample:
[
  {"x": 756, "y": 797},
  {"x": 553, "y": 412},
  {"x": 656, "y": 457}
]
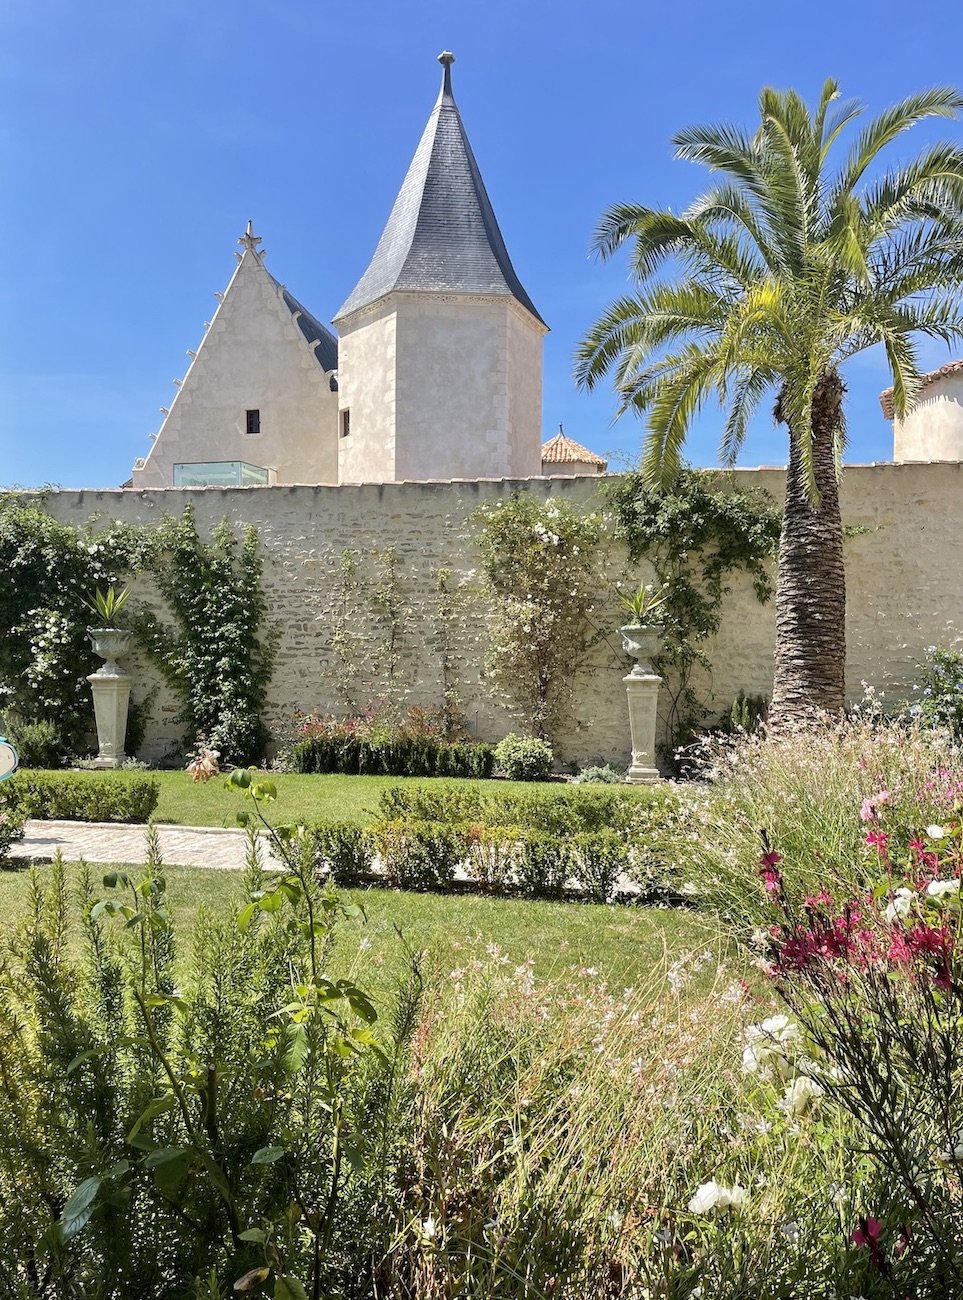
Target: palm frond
[
  {"x": 675, "y": 402},
  {"x": 941, "y": 101},
  {"x": 747, "y": 393}
]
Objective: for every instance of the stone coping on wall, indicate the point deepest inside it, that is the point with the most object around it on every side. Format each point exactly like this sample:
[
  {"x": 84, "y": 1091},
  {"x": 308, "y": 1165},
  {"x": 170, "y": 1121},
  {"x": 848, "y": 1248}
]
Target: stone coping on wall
[{"x": 560, "y": 483}]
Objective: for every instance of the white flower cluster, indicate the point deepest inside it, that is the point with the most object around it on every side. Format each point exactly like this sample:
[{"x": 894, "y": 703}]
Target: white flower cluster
[
  {"x": 774, "y": 1052},
  {"x": 771, "y": 1048},
  {"x": 713, "y": 1196}
]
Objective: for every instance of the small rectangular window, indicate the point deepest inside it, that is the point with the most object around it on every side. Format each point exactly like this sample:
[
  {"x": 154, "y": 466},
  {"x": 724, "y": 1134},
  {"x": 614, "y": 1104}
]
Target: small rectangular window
[
  {"x": 253, "y": 422},
  {"x": 345, "y": 422}
]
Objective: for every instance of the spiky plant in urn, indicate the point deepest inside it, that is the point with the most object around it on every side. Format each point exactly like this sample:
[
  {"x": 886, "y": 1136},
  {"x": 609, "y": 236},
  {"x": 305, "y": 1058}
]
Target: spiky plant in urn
[
  {"x": 110, "y": 685},
  {"x": 641, "y": 638}
]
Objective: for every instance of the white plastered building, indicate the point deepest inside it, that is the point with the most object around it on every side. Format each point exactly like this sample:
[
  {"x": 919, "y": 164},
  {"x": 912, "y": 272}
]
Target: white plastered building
[{"x": 437, "y": 373}]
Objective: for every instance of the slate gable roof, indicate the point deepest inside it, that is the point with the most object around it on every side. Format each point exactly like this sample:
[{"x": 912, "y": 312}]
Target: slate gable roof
[
  {"x": 442, "y": 235},
  {"x": 312, "y": 329}
]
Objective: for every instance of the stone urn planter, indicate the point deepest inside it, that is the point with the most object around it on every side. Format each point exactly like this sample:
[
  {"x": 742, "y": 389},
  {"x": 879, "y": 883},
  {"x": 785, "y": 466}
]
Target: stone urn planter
[
  {"x": 110, "y": 686},
  {"x": 110, "y": 643},
  {"x": 642, "y": 641}
]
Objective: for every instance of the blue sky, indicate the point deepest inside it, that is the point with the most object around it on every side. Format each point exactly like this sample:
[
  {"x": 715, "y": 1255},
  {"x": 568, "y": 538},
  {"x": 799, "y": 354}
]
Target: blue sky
[{"x": 137, "y": 139}]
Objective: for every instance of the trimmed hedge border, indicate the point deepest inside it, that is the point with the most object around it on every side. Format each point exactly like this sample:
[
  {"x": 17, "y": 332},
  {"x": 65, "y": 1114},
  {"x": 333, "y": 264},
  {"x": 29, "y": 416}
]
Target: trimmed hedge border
[
  {"x": 576, "y": 858},
  {"x": 84, "y": 796},
  {"x": 319, "y": 755}
]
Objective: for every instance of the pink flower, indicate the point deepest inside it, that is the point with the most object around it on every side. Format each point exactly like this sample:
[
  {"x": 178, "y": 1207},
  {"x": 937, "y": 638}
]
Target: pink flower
[
  {"x": 867, "y": 812},
  {"x": 868, "y": 1234},
  {"x": 822, "y": 899},
  {"x": 769, "y": 869},
  {"x": 878, "y": 840}
]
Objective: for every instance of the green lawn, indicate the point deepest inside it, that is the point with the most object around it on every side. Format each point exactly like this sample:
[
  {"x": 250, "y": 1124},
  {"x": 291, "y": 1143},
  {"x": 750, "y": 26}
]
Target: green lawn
[
  {"x": 306, "y": 798},
  {"x": 620, "y": 942}
]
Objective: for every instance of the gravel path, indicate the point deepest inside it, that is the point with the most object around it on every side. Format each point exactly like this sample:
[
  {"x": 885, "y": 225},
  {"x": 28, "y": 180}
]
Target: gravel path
[{"x": 180, "y": 846}]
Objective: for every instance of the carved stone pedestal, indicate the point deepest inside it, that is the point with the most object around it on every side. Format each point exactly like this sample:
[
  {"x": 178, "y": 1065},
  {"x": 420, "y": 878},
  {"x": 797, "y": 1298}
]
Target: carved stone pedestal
[
  {"x": 111, "y": 690},
  {"x": 642, "y": 689},
  {"x": 111, "y": 700}
]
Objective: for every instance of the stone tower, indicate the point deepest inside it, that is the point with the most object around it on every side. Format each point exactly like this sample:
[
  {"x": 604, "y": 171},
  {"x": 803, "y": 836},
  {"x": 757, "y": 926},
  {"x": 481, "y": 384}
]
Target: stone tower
[
  {"x": 259, "y": 403},
  {"x": 440, "y": 352}
]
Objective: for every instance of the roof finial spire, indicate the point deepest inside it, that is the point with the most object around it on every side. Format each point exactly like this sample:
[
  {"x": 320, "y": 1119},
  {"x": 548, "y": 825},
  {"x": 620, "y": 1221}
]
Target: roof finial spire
[
  {"x": 446, "y": 59},
  {"x": 249, "y": 240}
]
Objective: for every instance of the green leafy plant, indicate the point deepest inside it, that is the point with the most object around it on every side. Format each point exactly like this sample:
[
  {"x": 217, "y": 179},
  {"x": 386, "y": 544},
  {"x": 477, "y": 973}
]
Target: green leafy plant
[
  {"x": 492, "y": 854},
  {"x": 540, "y": 561},
  {"x": 419, "y": 854},
  {"x": 597, "y": 861},
  {"x": 543, "y": 865},
  {"x": 337, "y": 749},
  {"x": 696, "y": 537},
  {"x": 108, "y": 605},
  {"x": 524, "y": 758},
  {"x": 217, "y": 654},
  {"x": 85, "y": 796},
  {"x": 645, "y": 604},
  {"x": 233, "y": 1119},
  {"x": 45, "y": 655},
  {"x": 599, "y": 775},
  {"x": 342, "y": 850},
  {"x": 12, "y": 818},
  {"x": 940, "y": 690},
  {"x": 39, "y": 744}
]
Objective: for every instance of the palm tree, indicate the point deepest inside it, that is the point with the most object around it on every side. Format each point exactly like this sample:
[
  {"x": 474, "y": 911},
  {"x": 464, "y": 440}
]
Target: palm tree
[{"x": 778, "y": 274}]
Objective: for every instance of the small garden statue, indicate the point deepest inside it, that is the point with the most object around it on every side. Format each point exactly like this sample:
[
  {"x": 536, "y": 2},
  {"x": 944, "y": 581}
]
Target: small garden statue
[
  {"x": 641, "y": 639},
  {"x": 110, "y": 684}
]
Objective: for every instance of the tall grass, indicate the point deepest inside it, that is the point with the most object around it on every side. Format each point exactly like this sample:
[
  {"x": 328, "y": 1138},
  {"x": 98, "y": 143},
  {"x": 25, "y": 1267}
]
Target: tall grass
[{"x": 558, "y": 1133}]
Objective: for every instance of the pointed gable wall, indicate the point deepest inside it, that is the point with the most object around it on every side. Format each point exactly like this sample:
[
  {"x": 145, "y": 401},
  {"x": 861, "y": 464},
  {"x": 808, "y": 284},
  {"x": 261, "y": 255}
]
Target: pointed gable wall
[{"x": 263, "y": 352}]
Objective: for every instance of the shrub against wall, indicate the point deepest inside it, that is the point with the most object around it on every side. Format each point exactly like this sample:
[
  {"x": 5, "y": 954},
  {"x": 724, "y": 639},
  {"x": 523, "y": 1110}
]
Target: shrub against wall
[
  {"x": 695, "y": 538},
  {"x": 49, "y": 569},
  {"x": 541, "y": 562},
  {"x": 217, "y": 654}
]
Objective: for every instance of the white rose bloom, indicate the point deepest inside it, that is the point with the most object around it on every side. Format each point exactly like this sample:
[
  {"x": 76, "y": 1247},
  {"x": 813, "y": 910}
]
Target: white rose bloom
[
  {"x": 800, "y": 1095},
  {"x": 714, "y": 1196},
  {"x": 899, "y": 905},
  {"x": 942, "y": 888}
]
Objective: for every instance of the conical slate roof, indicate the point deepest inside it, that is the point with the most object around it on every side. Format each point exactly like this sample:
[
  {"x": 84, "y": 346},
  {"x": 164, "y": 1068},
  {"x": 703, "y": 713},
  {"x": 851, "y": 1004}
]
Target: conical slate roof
[{"x": 442, "y": 235}]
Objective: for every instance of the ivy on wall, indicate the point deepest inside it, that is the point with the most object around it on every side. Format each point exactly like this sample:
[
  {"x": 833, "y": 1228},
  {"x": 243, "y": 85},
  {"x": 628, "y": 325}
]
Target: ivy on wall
[
  {"x": 695, "y": 538},
  {"x": 49, "y": 569},
  {"x": 541, "y": 563},
  {"x": 217, "y": 653}
]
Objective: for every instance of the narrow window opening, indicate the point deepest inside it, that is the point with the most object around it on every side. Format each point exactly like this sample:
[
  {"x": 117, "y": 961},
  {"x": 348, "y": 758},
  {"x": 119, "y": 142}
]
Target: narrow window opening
[
  {"x": 253, "y": 422},
  {"x": 345, "y": 422}
]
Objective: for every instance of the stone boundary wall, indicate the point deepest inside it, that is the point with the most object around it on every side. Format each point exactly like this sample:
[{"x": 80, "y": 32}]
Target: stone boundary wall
[{"x": 904, "y": 566}]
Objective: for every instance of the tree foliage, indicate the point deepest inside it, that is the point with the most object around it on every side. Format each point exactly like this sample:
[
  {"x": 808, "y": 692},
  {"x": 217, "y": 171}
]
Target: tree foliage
[
  {"x": 540, "y": 560},
  {"x": 765, "y": 286}
]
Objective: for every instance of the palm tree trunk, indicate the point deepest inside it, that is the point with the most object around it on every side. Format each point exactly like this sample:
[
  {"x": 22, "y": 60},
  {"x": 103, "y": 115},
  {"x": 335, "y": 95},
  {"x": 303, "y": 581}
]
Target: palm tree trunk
[{"x": 810, "y": 658}]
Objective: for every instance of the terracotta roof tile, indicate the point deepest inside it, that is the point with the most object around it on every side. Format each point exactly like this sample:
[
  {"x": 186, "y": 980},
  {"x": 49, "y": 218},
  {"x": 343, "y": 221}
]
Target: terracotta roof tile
[
  {"x": 886, "y": 397},
  {"x": 564, "y": 450}
]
